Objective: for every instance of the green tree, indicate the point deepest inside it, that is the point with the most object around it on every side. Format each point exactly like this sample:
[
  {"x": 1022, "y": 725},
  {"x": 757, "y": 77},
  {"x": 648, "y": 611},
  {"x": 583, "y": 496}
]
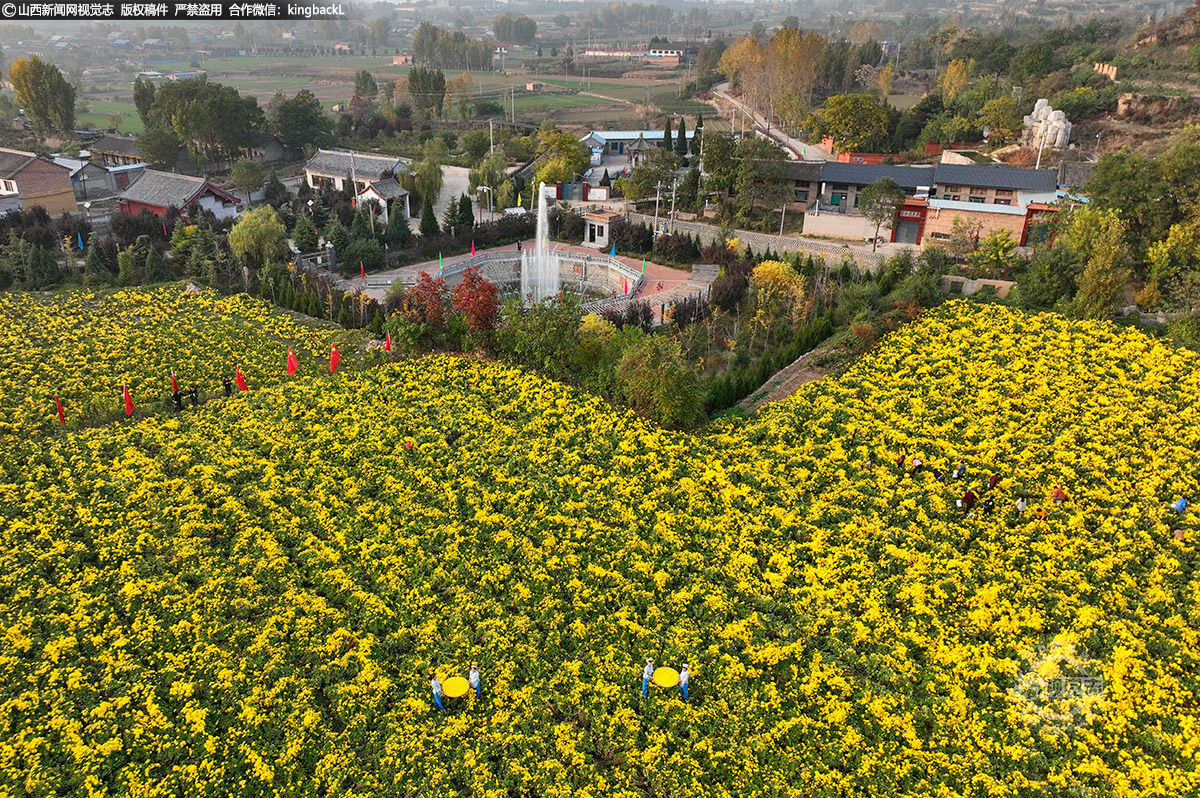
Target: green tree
[
  {"x": 301, "y": 121},
  {"x": 657, "y": 383},
  {"x": 259, "y": 238},
  {"x": 365, "y": 85},
  {"x": 995, "y": 253},
  {"x": 159, "y": 147},
  {"x": 880, "y": 202},
  {"x": 304, "y": 234},
  {"x": 157, "y": 270},
  {"x": 475, "y": 144},
  {"x": 681, "y": 140},
  {"x": 427, "y": 88},
  {"x": 466, "y": 214},
  {"x": 856, "y": 122},
  {"x": 43, "y": 270},
  {"x": 666, "y": 139},
  {"x": 126, "y": 269},
  {"x": 360, "y": 227},
  {"x": 248, "y": 175},
  {"x": 1050, "y": 277},
  {"x": 689, "y": 190},
  {"x": 720, "y": 162},
  {"x": 398, "y": 233},
  {"x": 429, "y": 177},
  {"x": 1001, "y": 116},
  {"x": 760, "y": 174},
  {"x": 429, "y": 224},
  {"x": 337, "y": 235},
  {"x": 1131, "y": 186},
  {"x": 44, "y": 94},
  {"x": 366, "y": 251},
  {"x": 563, "y": 156},
  {"x": 1105, "y": 274},
  {"x": 656, "y": 169},
  {"x": 143, "y": 97},
  {"x": 203, "y": 256},
  {"x": 94, "y": 270}
]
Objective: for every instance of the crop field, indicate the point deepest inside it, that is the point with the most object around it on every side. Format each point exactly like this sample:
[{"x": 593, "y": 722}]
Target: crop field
[{"x": 249, "y": 598}]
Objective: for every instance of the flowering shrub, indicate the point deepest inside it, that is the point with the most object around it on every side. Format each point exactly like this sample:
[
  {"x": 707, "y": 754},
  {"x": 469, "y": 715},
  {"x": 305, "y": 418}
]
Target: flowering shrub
[
  {"x": 249, "y": 599},
  {"x": 82, "y": 346}
]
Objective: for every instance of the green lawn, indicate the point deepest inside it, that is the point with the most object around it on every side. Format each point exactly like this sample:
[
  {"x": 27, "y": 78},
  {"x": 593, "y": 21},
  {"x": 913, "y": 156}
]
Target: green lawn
[
  {"x": 100, "y": 110},
  {"x": 553, "y": 101}
]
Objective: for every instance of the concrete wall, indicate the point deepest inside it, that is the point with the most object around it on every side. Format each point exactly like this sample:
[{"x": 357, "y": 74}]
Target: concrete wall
[
  {"x": 841, "y": 225},
  {"x": 970, "y": 287}
]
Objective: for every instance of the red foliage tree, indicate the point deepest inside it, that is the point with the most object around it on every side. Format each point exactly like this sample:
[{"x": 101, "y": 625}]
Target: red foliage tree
[
  {"x": 477, "y": 298},
  {"x": 425, "y": 302}
]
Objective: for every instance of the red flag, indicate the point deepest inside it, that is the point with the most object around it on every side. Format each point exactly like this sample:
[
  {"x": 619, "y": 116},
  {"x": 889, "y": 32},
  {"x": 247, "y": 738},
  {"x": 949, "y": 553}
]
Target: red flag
[
  {"x": 174, "y": 384},
  {"x": 387, "y": 343},
  {"x": 362, "y": 270},
  {"x": 128, "y": 401},
  {"x": 58, "y": 404},
  {"x": 240, "y": 380},
  {"x": 335, "y": 357},
  {"x": 472, "y": 247},
  {"x": 292, "y": 363},
  {"x": 625, "y": 282}
]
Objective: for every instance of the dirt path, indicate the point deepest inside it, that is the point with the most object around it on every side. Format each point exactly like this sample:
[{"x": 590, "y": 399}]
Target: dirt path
[{"x": 785, "y": 382}]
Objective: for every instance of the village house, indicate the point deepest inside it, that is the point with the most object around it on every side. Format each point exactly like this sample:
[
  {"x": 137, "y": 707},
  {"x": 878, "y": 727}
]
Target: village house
[
  {"x": 116, "y": 150},
  {"x": 606, "y": 145},
  {"x": 382, "y": 193},
  {"x": 332, "y": 167},
  {"x": 157, "y": 191},
  {"x": 983, "y": 197},
  {"x": 29, "y": 181},
  {"x": 804, "y": 180}
]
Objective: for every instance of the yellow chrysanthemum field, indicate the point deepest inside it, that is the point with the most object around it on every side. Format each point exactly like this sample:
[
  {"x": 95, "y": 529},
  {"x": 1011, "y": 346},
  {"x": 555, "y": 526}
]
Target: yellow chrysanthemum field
[{"x": 249, "y": 598}]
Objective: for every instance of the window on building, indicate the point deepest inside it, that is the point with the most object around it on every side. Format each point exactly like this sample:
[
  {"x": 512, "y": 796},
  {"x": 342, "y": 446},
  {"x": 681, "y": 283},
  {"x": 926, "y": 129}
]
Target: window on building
[
  {"x": 1003, "y": 192},
  {"x": 940, "y": 236},
  {"x": 1000, "y": 201},
  {"x": 801, "y": 196},
  {"x": 954, "y": 197},
  {"x": 10, "y": 186},
  {"x": 976, "y": 200},
  {"x": 599, "y": 229}
]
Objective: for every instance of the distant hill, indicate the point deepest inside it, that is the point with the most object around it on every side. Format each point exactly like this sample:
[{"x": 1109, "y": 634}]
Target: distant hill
[{"x": 1181, "y": 30}]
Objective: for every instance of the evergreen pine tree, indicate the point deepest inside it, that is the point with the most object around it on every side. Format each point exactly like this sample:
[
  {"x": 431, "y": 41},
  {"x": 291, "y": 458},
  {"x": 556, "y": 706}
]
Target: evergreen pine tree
[
  {"x": 450, "y": 216},
  {"x": 304, "y": 234},
  {"x": 666, "y": 140},
  {"x": 337, "y": 234},
  {"x": 681, "y": 143},
  {"x": 157, "y": 270},
  {"x": 429, "y": 224},
  {"x": 126, "y": 271},
  {"x": 398, "y": 233},
  {"x": 694, "y": 148},
  {"x": 43, "y": 270},
  {"x": 606, "y": 180},
  {"x": 466, "y": 214},
  {"x": 360, "y": 228},
  {"x": 94, "y": 270}
]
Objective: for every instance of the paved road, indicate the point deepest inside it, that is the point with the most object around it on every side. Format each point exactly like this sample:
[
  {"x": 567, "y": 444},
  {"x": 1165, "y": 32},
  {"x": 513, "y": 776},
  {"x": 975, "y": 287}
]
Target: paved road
[{"x": 798, "y": 148}]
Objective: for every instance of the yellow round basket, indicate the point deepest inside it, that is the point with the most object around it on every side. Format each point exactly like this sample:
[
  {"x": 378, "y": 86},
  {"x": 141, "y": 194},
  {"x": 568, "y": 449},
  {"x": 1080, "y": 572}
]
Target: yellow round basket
[
  {"x": 665, "y": 677},
  {"x": 455, "y": 687}
]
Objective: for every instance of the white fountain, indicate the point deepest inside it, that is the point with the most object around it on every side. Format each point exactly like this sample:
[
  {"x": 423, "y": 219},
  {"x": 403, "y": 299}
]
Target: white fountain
[{"x": 539, "y": 266}]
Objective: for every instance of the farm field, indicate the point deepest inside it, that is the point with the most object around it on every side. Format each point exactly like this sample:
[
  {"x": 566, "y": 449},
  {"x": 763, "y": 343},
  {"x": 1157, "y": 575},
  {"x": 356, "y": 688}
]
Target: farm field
[{"x": 250, "y": 598}]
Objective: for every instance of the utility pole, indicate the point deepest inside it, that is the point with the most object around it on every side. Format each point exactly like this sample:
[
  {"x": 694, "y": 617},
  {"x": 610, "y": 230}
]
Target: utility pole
[
  {"x": 491, "y": 141},
  {"x": 674, "y": 185},
  {"x": 657, "y": 196}
]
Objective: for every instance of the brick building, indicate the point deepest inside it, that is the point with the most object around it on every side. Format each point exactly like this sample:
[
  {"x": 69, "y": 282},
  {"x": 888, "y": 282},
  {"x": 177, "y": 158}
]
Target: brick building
[
  {"x": 157, "y": 191},
  {"x": 28, "y": 181}
]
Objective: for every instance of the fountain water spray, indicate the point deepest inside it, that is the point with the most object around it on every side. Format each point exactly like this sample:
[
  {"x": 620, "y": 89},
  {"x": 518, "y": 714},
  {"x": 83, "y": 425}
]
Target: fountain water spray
[{"x": 539, "y": 266}]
